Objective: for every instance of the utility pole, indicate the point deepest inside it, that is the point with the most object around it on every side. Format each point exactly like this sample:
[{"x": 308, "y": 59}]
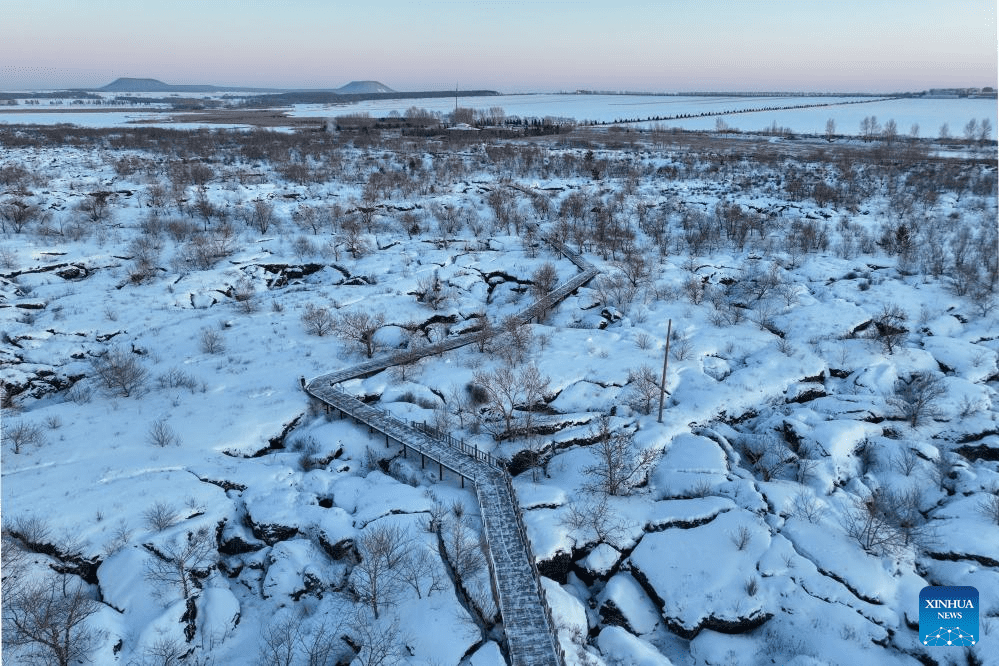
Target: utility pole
[{"x": 662, "y": 385}]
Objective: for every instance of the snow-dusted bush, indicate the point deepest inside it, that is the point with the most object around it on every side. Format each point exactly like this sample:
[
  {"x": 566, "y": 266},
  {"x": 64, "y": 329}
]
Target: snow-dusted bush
[
  {"x": 21, "y": 434},
  {"x": 120, "y": 372}
]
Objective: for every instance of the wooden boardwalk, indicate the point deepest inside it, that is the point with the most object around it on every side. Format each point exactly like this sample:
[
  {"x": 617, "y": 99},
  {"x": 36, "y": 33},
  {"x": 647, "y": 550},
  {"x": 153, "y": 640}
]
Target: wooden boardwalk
[{"x": 527, "y": 621}]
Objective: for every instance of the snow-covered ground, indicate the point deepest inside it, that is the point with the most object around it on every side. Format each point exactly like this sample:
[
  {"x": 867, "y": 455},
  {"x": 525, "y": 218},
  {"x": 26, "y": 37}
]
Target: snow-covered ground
[
  {"x": 739, "y": 113},
  {"x": 736, "y": 532}
]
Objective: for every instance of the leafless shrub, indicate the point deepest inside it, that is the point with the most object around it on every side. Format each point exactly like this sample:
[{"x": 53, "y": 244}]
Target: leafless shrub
[
  {"x": 988, "y": 506},
  {"x": 211, "y": 340},
  {"x": 180, "y": 562},
  {"x": 145, "y": 255},
  {"x": 245, "y": 296},
  {"x": 359, "y": 326},
  {"x": 644, "y": 341},
  {"x": 905, "y": 461},
  {"x": 768, "y": 455},
  {"x": 80, "y": 393},
  {"x": 96, "y": 206},
  {"x": 261, "y": 216},
  {"x": 434, "y": 292},
  {"x": 594, "y": 519},
  {"x": 317, "y": 320},
  {"x": 681, "y": 348},
  {"x": 22, "y": 434},
  {"x": 643, "y": 389},
  {"x": 889, "y": 329},
  {"x": 120, "y": 537},
  {"x": 868, "y": 521},
  {"x": 752, "y": 585},
  {"x": 620, "y": 466},
  {"x": 34, "y": 532},
  {"x": 120, "y": 372},
  {"x": 804, "y": 469},
  {"x": 48, "y": 622},
  {"x": 160, "y": 516},
  {"x": 280, "y": 640},
  {"x": 806, "y": 507},
  {"x": 615, "y": 290},
  {"x": 163, "y": 651},
  {"x": 741, "y": 537},
  {"x": 378, "y": 643},
  {"x": 18, "y": 214},
  {"x": 375, "y": 579},
  {"x": 177, "y": 378},
  {"x": 918, "y": 397},
  {"x": 161, "y": 434},
  {"x": 309, "y": 458},
  {"x": 462, "y": 546},
  {"x": 514, "y": 340}
]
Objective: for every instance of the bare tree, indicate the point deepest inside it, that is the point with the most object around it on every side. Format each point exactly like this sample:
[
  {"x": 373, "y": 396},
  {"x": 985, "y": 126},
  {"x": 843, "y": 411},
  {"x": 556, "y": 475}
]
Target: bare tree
[
  {"x": 504, "y": 389},
  {"x": 120, "y": 371},
  {"x": 376, "y": 578},
  {"x": 869, "y": 521},
  {"x": 543, "y": 280},
  {"x": 422, "y": 571},
  {"x": 163, "y": 652},
  {"x": 988, "y": 506},
  {"x": 317, "y": 320},
  {"x": 211, "y": 340},
  {"x": 262, "y": 216},
  {"x": 918, "y": 397},
  {"x": 830, "y": 129},
  {"x": 533, "y": 388},
  {"x": 984, "y": 131},
  {"x": 18, "y": 213},
  {"x": 280, "y": 640},
  {"x": 359, "y": 326},
  {"x": 183, "y": 561},
  {"x": 161, "y": 434},
  {"x": 594, "y": 520},
  {"x": 48, "y": 622},
  {"x": 768, "y": 455},
  {"x": 514, "y": 340},
  {"x": 462, "y": 547},
  {"x": 434, "y": 292},
  {"x": 971, "y": 131},
  {"x": 95, "y": 206},
  {"x": 889, "y": 327},
  {"x": 486, "y": 331},
  {"x": 21, "y": 434},
  {"x": 619, "y": 465},
  {"x": 643, "y": 389},
  {"x": 377, "y": 643}
]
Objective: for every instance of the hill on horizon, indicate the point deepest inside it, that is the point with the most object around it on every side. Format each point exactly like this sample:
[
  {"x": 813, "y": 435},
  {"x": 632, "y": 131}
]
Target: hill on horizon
[{"x": 149, "y": 85}]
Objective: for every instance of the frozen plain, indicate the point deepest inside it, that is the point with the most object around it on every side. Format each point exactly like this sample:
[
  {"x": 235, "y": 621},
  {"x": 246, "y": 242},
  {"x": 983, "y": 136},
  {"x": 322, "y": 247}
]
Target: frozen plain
[{"x": 710, "y": 542}]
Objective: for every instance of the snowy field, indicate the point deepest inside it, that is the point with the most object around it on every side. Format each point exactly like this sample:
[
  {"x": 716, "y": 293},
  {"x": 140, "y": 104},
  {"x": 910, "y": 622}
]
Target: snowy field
[{"x": 829, "y": 443}]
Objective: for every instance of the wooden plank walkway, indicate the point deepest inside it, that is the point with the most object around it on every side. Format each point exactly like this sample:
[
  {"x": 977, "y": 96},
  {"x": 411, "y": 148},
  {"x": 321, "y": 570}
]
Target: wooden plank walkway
[{"x": 527, "y": 620}]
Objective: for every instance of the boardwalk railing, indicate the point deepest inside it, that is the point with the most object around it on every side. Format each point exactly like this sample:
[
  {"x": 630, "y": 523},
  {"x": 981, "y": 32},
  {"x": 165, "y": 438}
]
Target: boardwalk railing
[{"x": 460, "y": 445}]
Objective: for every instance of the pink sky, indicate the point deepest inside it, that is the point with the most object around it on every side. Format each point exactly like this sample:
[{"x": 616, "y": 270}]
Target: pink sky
[{"x": 511, "y": 46}]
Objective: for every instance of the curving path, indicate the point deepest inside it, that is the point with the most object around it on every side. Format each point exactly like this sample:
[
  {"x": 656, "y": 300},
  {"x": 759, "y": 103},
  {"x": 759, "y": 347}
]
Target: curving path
[{"x": 527, "y": 621}]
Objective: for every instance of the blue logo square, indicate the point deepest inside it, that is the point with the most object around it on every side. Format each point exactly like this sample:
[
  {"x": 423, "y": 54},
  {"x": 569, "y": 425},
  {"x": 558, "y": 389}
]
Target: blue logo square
[{"x": 948, "y": 616}]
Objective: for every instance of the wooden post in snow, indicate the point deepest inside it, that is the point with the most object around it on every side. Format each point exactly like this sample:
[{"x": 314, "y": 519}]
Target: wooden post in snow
[{"x": 662, "y": 385}]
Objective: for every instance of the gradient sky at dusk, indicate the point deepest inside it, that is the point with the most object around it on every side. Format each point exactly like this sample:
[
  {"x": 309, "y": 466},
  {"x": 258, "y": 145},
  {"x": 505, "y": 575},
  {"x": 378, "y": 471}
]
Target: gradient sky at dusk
[{"x": 506, "y": 45}]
